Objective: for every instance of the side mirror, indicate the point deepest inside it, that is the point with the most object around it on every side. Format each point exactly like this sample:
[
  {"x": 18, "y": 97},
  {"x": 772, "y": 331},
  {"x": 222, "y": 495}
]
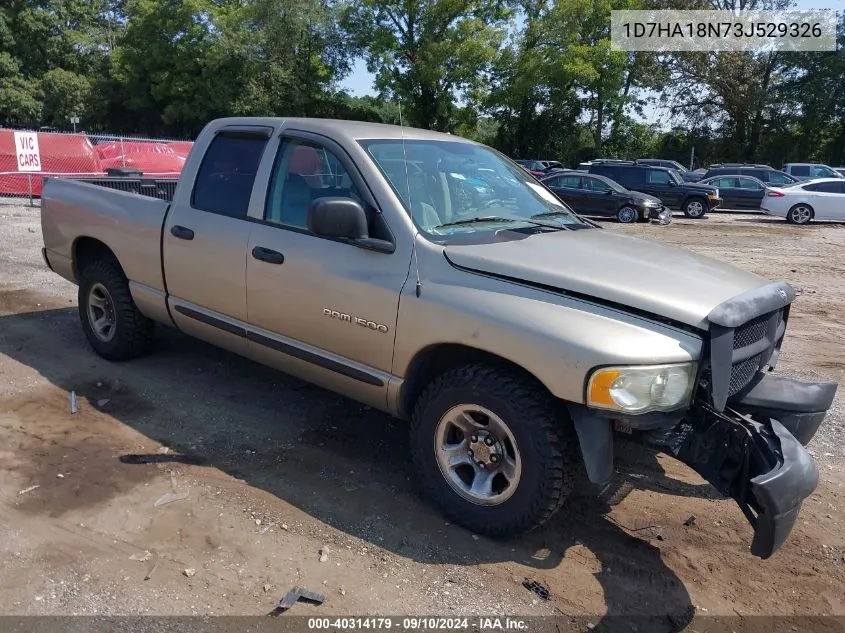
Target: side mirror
[
  {"x": 344, "y": 218},
  {"x": 672, "y": 183},
  {"x": 608, "y": 191}
]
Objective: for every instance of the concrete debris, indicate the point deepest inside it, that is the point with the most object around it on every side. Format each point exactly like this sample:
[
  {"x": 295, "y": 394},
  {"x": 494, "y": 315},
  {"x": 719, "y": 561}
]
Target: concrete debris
[
  {"x": 30, "y": 489},
  {"x": 324, "y": 554},
  {"x": 143, "y": 558},
  {"x": 190, "y": 572}
]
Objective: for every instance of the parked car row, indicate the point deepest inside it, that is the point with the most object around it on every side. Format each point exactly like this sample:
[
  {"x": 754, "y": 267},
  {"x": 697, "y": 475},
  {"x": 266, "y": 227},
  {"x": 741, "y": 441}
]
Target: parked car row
[{"x": 648, "y": 189}]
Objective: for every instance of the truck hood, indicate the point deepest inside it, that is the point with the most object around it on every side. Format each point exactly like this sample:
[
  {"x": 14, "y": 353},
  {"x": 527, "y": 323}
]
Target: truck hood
[
  {"x": 697, "y": 186},
  {"x": 663, "y": 280}
]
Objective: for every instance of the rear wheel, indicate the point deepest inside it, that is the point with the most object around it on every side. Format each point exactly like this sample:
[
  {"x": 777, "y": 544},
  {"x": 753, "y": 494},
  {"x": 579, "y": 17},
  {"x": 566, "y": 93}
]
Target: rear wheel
[
  {"x": 114, "y": 326},
  {"x": 695, "y": 208},
  {"x": 493, "y": 449},
  {"x": 627, "y": 215},
  {"x": 800, "y": 214}
]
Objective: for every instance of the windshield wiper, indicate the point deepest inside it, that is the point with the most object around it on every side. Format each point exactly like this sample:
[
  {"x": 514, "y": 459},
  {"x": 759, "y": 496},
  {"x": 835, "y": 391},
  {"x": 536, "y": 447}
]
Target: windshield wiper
[
  {"x": 550, "y": 214},
  {"x": 499, "y": 218}
]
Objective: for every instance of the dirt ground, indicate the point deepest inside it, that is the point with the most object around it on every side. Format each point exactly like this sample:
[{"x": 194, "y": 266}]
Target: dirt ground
[{"x": 276, "y": 471}]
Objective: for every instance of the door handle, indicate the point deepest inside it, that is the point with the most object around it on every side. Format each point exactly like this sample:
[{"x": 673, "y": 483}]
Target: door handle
[
  {"x": 183, "y": 233},
  {"x": 268, "y": 255}
]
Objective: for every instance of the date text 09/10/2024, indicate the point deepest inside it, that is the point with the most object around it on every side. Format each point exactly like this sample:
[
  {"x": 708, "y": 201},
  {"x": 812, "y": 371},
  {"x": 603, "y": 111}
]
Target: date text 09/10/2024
[{"x": 418, "y": 623}]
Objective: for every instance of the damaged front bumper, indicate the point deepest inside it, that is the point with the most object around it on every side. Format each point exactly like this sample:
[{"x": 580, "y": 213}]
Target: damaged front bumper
[
  {"x": 753, "y": 451},
  {"x": 658, "y": 215}
]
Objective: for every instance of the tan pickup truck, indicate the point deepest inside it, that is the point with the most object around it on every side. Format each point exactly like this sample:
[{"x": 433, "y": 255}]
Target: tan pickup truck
[{"x": 432, "y": 278}]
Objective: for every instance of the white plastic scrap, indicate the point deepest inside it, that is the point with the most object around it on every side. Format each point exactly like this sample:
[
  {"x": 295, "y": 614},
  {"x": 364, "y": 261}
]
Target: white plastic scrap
[{"x": 170, "y": 497}]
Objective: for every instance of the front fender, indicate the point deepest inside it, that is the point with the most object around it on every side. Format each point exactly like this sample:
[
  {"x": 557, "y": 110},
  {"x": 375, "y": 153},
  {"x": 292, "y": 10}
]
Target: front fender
[{"x": 559, "y": 339}]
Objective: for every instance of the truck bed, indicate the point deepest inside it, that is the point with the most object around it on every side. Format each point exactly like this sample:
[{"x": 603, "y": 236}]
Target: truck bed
[
  {"x": 160, "y": 188},
  {"x": 129, "y": 222}
]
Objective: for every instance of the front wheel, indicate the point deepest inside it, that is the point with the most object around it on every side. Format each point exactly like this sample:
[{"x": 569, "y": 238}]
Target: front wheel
[
  {"x": 493, "y": 449},
  {"x": 800, "y": 214},
  {"x": 695, "y": 208},
  {"x": 627, "y": 215}
]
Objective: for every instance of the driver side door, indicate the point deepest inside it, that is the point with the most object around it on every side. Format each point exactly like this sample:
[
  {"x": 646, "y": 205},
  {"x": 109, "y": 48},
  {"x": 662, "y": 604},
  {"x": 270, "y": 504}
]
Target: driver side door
[
  {"x": 661, "y": 185},
  {"x": 321, "y": 308}
]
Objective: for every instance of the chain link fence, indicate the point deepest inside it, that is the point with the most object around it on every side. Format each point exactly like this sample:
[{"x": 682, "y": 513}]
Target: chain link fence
[{"x": 130, "y": 163}]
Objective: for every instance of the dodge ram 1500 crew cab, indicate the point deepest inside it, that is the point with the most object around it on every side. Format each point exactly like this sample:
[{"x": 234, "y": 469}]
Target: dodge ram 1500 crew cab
[{"x": 516, "y": 337}]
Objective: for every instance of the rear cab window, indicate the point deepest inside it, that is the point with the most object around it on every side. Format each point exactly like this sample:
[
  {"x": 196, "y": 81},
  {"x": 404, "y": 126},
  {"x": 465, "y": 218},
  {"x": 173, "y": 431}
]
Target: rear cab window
[
  {"x": 227, "y": 173},
  {"x": 800, "y": 170}
]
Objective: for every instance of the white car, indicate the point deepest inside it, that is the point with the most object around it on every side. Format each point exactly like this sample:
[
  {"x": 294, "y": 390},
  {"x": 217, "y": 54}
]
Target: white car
[{"x": 822, "y": 199}]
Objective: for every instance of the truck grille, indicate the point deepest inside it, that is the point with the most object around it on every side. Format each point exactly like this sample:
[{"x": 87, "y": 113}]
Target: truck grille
[
  {"x": 751, "y": 332},
  {"x": 758, "y": 337},
  {"x": 742, "y": 373}
]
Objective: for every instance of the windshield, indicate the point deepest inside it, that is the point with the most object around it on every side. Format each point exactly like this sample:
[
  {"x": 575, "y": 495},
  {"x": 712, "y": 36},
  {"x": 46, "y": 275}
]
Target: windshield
[
  {"x": 823, "y": 171},
  {"x": 451, "y": 187}
]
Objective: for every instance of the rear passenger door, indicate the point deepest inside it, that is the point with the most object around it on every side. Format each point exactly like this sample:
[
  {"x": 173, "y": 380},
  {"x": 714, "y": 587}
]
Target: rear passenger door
[
  {"x": 205, "y": 237},
  {"x": 827, "y": 200},
  {"x": 729, "y": 192},
  {"x": 750, "y": 193},
  {"x": 568, "y": 188},
  {"x": 599, "y": 200}
]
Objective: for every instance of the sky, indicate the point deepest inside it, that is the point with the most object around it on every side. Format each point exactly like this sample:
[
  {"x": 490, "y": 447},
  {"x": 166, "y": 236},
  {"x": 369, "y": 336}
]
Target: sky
[{"x": 360, "y": 82}]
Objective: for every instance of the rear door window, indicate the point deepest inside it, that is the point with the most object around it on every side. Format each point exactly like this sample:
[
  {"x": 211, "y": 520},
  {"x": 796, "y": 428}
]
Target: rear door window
[
  {"x": 227, "y": 173},
  {"x": 747, "y": 183},
  {"x": 725, "y": 182},
  {"x": 629, "y": 175},
  {"x": 570, "y": 182},
  {"x": 594, "y": 184}
]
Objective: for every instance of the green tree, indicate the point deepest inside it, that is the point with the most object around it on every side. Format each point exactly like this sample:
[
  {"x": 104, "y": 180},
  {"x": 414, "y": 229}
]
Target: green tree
[
  {"x": 428, "y": 54},
  {"x": 64, "y": 94},
  {"x": 19, "y": 103}
]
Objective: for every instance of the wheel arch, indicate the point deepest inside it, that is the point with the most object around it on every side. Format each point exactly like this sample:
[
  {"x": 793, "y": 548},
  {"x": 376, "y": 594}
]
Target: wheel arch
[
  {"x": 436, "y": 359},
  {"x": 694, "y": 196},
  {"x": 86, "y": 250}
]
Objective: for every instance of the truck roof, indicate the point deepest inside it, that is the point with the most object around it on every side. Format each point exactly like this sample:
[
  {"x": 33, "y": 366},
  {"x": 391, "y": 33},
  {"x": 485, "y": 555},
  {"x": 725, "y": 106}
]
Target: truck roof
[{"x": 355, "y": 130}]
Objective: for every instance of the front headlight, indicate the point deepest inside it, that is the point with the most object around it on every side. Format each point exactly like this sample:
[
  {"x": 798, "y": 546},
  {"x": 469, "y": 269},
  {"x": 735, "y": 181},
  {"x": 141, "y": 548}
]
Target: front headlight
[{"x": 640, "y": 389}]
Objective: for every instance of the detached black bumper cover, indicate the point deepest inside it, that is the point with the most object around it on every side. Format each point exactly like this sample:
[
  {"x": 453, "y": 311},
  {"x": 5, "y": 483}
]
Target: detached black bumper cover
[{"x": 750, "y": 451}]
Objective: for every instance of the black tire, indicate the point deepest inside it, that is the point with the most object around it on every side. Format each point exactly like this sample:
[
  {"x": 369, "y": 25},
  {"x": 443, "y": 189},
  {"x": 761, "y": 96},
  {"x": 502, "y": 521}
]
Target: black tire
[
  {"x": 695, "y": 208},
  {"x": 543, "y": 434},
  {"x": 627, "y": 214},
  {"x": 800, "y": 214},
  {"x": 133, "y": 332}
]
